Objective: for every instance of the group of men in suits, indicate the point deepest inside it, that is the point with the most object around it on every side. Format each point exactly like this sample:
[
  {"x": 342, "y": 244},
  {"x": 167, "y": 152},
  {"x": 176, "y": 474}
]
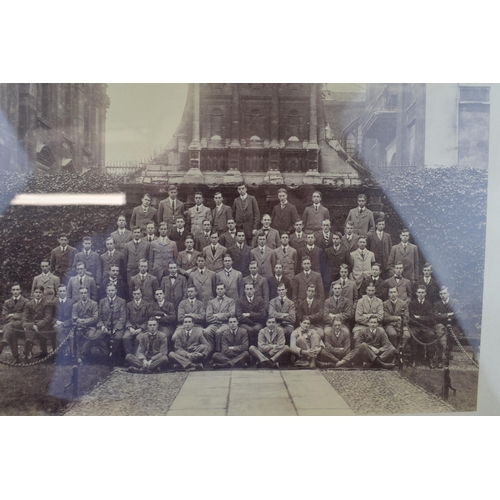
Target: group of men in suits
[{"x": 285, "y": 287}]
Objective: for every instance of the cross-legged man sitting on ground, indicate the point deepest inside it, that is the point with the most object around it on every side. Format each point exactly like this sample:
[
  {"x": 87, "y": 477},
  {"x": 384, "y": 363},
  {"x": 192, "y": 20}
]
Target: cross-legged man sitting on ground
[
  {"x": 234, "y": 346},
  {"x": 271, "y": 345}
]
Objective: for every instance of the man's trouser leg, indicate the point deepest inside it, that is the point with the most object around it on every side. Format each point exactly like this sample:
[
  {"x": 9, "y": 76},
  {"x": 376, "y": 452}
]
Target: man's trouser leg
[
  {"x": 132, "y": 360},
  {"x": 180, "y": 360},
  {"x": 258, "y": 355},
  {"x": 393, "y": 335},
  {"x": 239, "y": 360},
  {"x": 160, "y": 361},
  {"x": 130, "y": 342},
  {"x": 361, "y": 354},
  {"x": 388, "y": 354},
  {"x": 11, "y": 332},
  {"x": 275, "y": 358},
  {"x": 327, "y": 357},
  {"x": 253, "y": 332}
]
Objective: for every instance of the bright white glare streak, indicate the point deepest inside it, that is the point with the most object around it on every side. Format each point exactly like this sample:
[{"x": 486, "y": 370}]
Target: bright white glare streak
[{"x": 61, "y": 199}]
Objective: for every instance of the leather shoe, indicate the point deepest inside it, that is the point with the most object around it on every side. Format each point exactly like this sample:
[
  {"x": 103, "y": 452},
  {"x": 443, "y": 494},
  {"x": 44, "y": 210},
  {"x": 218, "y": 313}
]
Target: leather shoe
[
  {"x": 41, "y": 354},
  {"x": 381, "y": 364},
  {"x": 324, "y": 364},
  {"x": 133, "y": 369}
]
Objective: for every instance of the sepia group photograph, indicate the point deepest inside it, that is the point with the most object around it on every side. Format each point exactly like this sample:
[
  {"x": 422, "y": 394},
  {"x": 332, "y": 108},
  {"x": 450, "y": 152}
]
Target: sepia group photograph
[{"x": 243, "y": 249}]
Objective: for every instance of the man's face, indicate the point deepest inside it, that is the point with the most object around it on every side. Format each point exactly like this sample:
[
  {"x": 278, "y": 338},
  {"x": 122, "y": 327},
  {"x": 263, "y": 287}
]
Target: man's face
[
  {"x": 111, "y": 292},
  {"x": 191, "y": 292},
  {"x": 159, "y": 295},
  {"x": 427, "y": 272},
  {"x": 37, "y": 294},
  {"x": 146, "y": 201},
  {"x": 326, "y": 226},
  {"x": 218, "y": 199},
  {"x": 114, "y": 271},
  {"x": 228, "y": 262},
  {"x": 285, "y": 239},
  {"x": 298, "y": 226},
  {"x": 349, "y": 230},
  {"x": 344, "y": 272},
  {"x": 137, "y": 294},
  {"x": 61, "y": 292},
  {"x": 421, "y": 294},
  {"x": 137, "y": 234},
  {"x": 282, "y": 197},
  {"x": 242, "y": 190},
  {"x": 80, "y": 270},
  {"x": 189, "y": 243},
  {"x": 214, "y": 239},
  {"x": 375, "y": 271},
  {"x": 163, "y": 231},
  {"x": 172, "y": 192},
  {"x": 110, "y": 245},
  {"x": 152, "y": 327},
  {"x": 206, "y": 226},
  {"x": 16, "y": 291},
  {"x": 84, "y": 294},
  {"x": 337, "y": 324},
  {"x": 305, "y": 325},
  {"x": 362, "y": 243},
  {"x": 306, "y": 265},
  {"x": 220, "y": 290},
  {"x": 361, "y": 201},
  {"x": 143, "y": 267},
  {"x": 310, "y": 292},
  {"x": 262, "y": 241},
  {"x": 373, "y": 323},
  {"x": 45, "y": 267},
  {"x": 233, "y": 323},
  {"x": 310, "y": 239},
  {"x": 405, "y": 237},
  {"x": 266, "y": 221},
  {"x": 370, "y": 291},
  {"x": 121, "y": 222},
  {"x": 201, "y": 262},
  {"x": 63, "y": 241},
  {"x": 278, "y": 269},
  {"x": 198, "y": 199},
  {"x": 271, "y": 323},
  {"x": 398, "y": 270},
  {"x": 337, "y": 288},
  {"x": 188, "y": 323},
  {"x": 172, "y": 269},
  {"x": 231, "y": 225},
  {"x": 180, "y": 223},
  {"x": 150, "y": 229},
  {"x": 249, "y": 291},
  {"x": 240, "y": 237},
  {"x": 393, "y": 294},
  {"x": 253, "y": 269},
  {"x": 282, "y": 291},
  {"x": 336, "y": 240},
  {"x": 86, "y": 245},
  {"x": 316, "y": 198},
  {"x": 380, "y": 226},
  {"x": 444, "y": 296}
]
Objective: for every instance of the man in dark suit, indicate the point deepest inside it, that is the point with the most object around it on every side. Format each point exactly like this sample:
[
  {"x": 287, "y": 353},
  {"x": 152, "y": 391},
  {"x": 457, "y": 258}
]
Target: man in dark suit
[
  {"x": 287, "y": 256},
  {"x": 49, "y": 281},
  {"x": 228, "y": 238},
  {"x": 335, "y": 256},
  {"x": 324, "y": 238},
  {"x": 313, "y": 252},
  {"x": 361, "y": 217},
  {"x": 61, "y": 259},
  {"x": 279, "y": 279},
  {"x": 283, "y": 310},
  {"x": 246, "y": 212},
  {"x": 241, "y": 253},
  {"x": 380, "y": 243},
  {"x": 162, "y": 252},
  {"x": 37, "y": 321},
  {"x": 234, "y": 347},
  {"x": 133, "y": 252},
  {"x": 336, "y": 307},
  {"x": 214, "y": 254},
  {"x": 350, "y": 240},
  {"x": 337, "y": 340},
  {"x": 179, "y": 233},
  {"x": 187, "y": 259},
  {"x": 147, "y": 283},
  {"x": 111, "y": 257},
  {"x": 202, "y": 238},
  {"x": 402, "y": 284},
  {"x": 447, "y": 312},
  {"x": 264, "y": 257},
  {"x": 251, "y": 312},
  {"x": 260, "y": 284},
  {"x": 298, "y": 238},
  {"x": 407, "y": 253},
  {"x": 284, "y": 215},
  {"x": 150, "y": 232},
  {"x": 12, "y": 313},
  {"x": 192, "y": 307},
  {"x": 174, "y": 286},
  {"x": 230, "y": 278},
  {"x": 313, "y": 308},
  {"x": 114, "y": 278},
  {"x": 191, "y": 348},
  {"x": 122, "y": 235},
  {"x": 375, "y": 278},
  {"x": 63, "y": 308},
  {"x": 315, "y": 214},
  {"x": 203, "y": 280},
  {"x": 144, "y": 213},
  {"x": 165, "y": 314},
  {"x": 396, "y": 319},
  {"x": 349, "y": 288},
  {"x": 81, "y": 279},
  {"x": 304, "y": 279},
  {"x": 220, "y": 215},
  {"x": 91, "y": 260},
  {"x": 218, "y": 312},
  {"x": 430, "y": 283},
  {"x": 112, "y": 319},
  {"x": 138, "y": 313},
  {"x": 84, "y": 316},
  {"x": 170, "y": 208}
]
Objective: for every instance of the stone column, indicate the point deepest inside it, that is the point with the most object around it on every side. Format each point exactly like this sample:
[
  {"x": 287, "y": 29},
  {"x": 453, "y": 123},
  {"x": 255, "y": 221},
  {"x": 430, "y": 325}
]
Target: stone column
[
  {"x": 27, "y": 126},
  {"x": 194, "y": 173},
  {"x": 312, "y": 175},
  {"x": 274, "y": 175},
  {"x": 233, "y": 174}
]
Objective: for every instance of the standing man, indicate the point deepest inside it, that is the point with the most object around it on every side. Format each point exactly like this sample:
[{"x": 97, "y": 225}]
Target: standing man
[
  {"x": 63, "y": 308},
  {"x": 335, "y": 256},
  {"x": 302, "y": 281},
  {"x": 192, "y": 307},
  {"x": 380, "y": 284},
  {"x": 234, "y": 347},
  {"x": 202, "y": 238},
  {"x": 272, "y": 237},
  {"x": 447, "y": 311},
  {"x": 430, "y": 283},
  {"x": 198, "y": 213},
  {"x": 81, "y": 279},
  {"x": 12, "y": 314},
  {"x": 91, "y": 260},
  {"x": 315, "y": 214},
  {"x": 336, "y": 307},
  {"x": 313, "y": 252},
  {"x": 161, "y": 253},
  {"x": 165, "y": 314},
  {"x": 279, "y": 279},
  {"x": 147, "y": 283},
  {"x": 380, "y": 243},
  {"x": 133, "y": 252},
  {"x": 228, "y": 238},
  {"x": 220, "y": 215},
  {"x": 112, "y": 257},
  {"x": 122, "y": 235},
  {"x": 218, "y": 312},
  {"x": 298, "y": 238},
  {"x": 179, "y": 233},
  {"x": 251, "y": 312},
  {"x": 246, "y": 213},
  {"x": 362, "y": 260},
  {"x": 402, "y": 284},
  {"x": 284, "y": 215},
  {"x": 367, "y": 307},
  {"x": 138, "y": 313},
  {"x": 49, "y": 281},
  {"x": 187, "y": 259},
  {"x": 170, "y": 208},
  {"x": 396, "y": 319},
  {"x": 114, "y": 278},
  {"x": 407, "y": 253},
  {"x": 240, "y": 253},
  {"x": 150, "y": 231},
  {"x": 174, "y": 285},
  {"x": 271, "y": 345},
  {"x": 324, "y": 238},
  {"x": 312, "y": 308},
  {"x": 361, "y": 217},
  {"x": 84, "y": 315},
  {"x": 260, "y": 284},
  {"x": 350, "y": 240},
  {"x": 283, "y": 310},
  {"x": 144, "y": 213},
  {"x": 214, "y": 254},
  {"x": 203, "y": 280},
  {"x": 349, "y": 288},
  {"x": 264, "y": 257},
  {"x": 230, "y": 278},
  {"x": 61, "y": 259},
  {"x": 286, "y": 256}
]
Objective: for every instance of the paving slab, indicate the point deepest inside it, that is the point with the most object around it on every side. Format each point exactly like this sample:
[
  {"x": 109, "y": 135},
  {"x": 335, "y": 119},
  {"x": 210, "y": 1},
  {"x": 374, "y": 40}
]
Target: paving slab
[
  {"x": 201, "y": 412},
  {"x": 337, "y": 412}
]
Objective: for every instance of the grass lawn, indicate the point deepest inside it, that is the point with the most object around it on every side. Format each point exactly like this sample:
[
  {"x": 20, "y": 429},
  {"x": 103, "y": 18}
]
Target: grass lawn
[{"x": 39, "y": 390}]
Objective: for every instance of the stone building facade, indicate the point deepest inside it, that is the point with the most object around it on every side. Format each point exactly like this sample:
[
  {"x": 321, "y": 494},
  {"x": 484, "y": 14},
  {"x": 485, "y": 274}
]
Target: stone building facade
[{"x": 52, "y": 126}]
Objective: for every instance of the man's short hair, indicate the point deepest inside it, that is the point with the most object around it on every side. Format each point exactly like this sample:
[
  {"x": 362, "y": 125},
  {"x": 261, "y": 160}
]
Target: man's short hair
[
  {"x": 114, "y": 265},
  {"x": 252, "y": 262},
  {"x": 311, "y": 286},
  {"x": 152, "y": 318},
  {"x": 189, "y": 237},
  {"x": 242, "y": 184},
  {"x": 172, "y": 187},
  {"x": 422, "y": 287},
  {"x": 377, "y": 265},
  {"x": 216, "y": 193},
  {"x": 110, "y": 238},
  {"x": 372, "y": 317},
  {"x": 306, "y": 257},
  {"x": 83, "y": 287},
  {"x": 285, "y": 233},
  {"x": 17, "y": 284},
  {"x": 404, "y": 230},
  {"x": 111, "y": 284},
  {"x": 39, "y": 287},
  {"x": 320, "y": 195},
  {"x": 87, "y": 238},
  {"x": 63, "y": 235},
  {"x": 349, "y": 223},
  {"x": 199, "y": 192},
  {"x": 176, "y": 219},
  {"x": 361, "y": 196},
  {"x": 233, "y": 316},
  {"x": 427, "y": 265},
  {"x": 135, "y": 228},
  {"x": 282, "y": 190},
  {"x": 142, "y": 261},
  {"x": 188, "y": 317},
  {"x": 344, "y": 266}
]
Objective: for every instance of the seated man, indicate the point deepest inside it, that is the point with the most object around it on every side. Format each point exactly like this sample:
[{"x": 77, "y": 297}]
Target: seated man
[
  {"x": 396, "y": 320},
  {"x": 204, "y": 281},
  {"x": 63, "y": 308},
  {"x": 283, "y": 310},
  {"x": 190, "y": 346},
  {"x": 91, "y": 260},
  {"x": 12, "y": 313},
  {"x": 84, "y": 315},
  {"x": 260, "y": 284},
  {"x": 337, "y": 340},
  {"x": 145, "y": 281},
  {"x": 112, "y": 318},
  {"x": 304, "y": 279},
  {"x": 219, "y": 310},
  {"x": 152, "y": 351},
  {"x": 447, "y": 311},
  {"x": 191, "y": 307},
  {"x": 37, "y": 320},
  {"x": 164, "y": 312},
  {"x": 372, "y": 347},
  {"x": 214, "y": 254},
  {"x": 234, "y": 347},
  {"x": 179, "y": 233},
  {"x": 138, "y": 312},
  {"x": 271, "y": 345},
  {"x": 402, "y": 284},
  {"x": 187, "y": 259},
  {"x": 114, "y": 278},
  {"x": 313, "y": 308},
  {"x": 367, "y": 306},
  {"x": 278, "y": 279},
  {"x": 251, "y": 313},
  {"x": 336, "y": 307},
  {"x": 230, "y": 277}
]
